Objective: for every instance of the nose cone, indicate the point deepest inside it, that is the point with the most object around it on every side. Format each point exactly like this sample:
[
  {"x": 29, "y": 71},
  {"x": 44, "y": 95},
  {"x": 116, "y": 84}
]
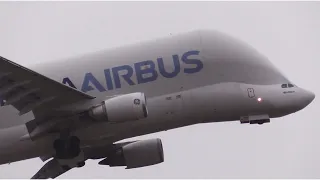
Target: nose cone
[
  {"x": 309, "y": 97},
  {"x": 305, "y": 98},
  {"x": 293, "y": 102}
]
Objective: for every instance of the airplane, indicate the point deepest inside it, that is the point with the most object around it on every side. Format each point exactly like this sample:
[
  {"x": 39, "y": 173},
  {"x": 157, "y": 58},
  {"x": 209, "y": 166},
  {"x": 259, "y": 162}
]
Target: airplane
[{"x": 81, "y": 107}]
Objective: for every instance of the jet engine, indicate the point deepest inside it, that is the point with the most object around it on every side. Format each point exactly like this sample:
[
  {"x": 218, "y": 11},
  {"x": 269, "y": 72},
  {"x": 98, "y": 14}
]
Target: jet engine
[
  {"x": 136, "y": 154},
  {"x": 121, "y": 108}
]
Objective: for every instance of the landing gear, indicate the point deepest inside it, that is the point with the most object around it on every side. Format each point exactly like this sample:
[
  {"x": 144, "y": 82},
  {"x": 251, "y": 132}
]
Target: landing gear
[
  {"x": 67, "y": 147},
  {"x": 68, "y": 156},
  {"x": 260, "y": 122},
  {"x": 257, "y": 119}
]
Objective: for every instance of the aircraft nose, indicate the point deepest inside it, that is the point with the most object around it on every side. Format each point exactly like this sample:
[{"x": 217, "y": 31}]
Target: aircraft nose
[
  {"x": 311, "y": 96},
  {"x": 308, "y": 97}
]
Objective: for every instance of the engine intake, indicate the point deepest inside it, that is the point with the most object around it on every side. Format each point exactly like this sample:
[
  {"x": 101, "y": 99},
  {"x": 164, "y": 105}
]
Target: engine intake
[
  {"x": 136, "y": 154},
  {"x": 121, "y": 108}
]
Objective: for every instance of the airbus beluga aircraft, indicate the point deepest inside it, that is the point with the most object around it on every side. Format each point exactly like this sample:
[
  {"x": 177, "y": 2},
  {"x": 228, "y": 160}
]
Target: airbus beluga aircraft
[{"x": 81, "y": 107}]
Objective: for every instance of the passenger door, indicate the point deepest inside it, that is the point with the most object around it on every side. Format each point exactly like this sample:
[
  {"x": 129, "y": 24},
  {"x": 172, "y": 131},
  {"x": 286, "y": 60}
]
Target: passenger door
[{"x": 251, "y": 93}]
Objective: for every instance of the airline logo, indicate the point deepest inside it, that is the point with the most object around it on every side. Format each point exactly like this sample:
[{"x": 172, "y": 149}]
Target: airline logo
[{"x": 145, "y": 72}]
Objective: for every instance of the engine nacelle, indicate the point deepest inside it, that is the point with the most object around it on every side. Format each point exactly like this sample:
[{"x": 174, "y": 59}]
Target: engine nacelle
[
  {"x": 136, "y": 154},
  {"x": 121, "y": 108}
]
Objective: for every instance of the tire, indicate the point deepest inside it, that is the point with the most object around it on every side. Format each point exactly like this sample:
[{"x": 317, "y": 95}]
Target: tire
[
  {"x": 58, "y": 144},
  {"x": 67, "y": 148},
  {"x": 74, "y": 147},
  {"x": 59, "y": 147},
  {"x": 74, "y": 140}
]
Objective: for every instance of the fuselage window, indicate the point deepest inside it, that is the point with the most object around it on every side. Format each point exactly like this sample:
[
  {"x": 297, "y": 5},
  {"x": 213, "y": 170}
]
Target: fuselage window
[
  {"x": 290, "y": 85},
  {"x": 284, "y": 85}
]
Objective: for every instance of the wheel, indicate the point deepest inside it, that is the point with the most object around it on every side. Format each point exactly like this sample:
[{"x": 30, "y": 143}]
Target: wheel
[
  {"x": 59, "y": 146},
  {"x": 74, "y": 140},
  {"x": 66, "y": 149},
  {"x": 74, "y": 147}
]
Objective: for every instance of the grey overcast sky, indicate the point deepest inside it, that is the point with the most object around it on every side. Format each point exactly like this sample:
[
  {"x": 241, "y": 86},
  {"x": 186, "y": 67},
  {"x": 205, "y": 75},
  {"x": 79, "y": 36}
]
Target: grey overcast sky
[{"x": 286, "y": 32}]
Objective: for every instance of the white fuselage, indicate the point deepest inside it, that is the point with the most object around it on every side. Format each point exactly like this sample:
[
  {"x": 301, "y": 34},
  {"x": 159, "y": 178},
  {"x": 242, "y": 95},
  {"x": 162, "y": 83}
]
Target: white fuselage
[{"x": 193, "y": 78}]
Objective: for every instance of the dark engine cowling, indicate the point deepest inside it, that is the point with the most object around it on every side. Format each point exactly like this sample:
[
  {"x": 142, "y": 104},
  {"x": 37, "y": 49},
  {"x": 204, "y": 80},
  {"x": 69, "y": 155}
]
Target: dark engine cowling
[
  {"x": 121, "y": 108},
  {"x": 136, "y": 154}
]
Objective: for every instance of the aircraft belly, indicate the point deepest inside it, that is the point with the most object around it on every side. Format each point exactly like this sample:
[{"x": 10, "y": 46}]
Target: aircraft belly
[
  {"x": 165, "y": 112},
  {"x": 220, "y": 102},
  {"x": 214, "y": 103}
]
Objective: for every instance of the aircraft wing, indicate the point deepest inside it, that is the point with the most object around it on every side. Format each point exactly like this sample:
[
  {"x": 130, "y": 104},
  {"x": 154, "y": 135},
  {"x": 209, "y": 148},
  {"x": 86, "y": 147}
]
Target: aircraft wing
[{"x": 27, "y": 90}]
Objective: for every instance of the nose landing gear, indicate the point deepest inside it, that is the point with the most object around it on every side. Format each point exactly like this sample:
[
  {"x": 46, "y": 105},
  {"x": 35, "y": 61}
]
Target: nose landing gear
[
  {"x": 260, "y": 122},
  {"x": 255, "y": 119}
]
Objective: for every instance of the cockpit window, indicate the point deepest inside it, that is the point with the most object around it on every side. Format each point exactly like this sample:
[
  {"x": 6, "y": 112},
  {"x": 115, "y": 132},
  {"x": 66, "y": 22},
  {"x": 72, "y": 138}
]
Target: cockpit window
[{"x": 287, "y": 85}]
